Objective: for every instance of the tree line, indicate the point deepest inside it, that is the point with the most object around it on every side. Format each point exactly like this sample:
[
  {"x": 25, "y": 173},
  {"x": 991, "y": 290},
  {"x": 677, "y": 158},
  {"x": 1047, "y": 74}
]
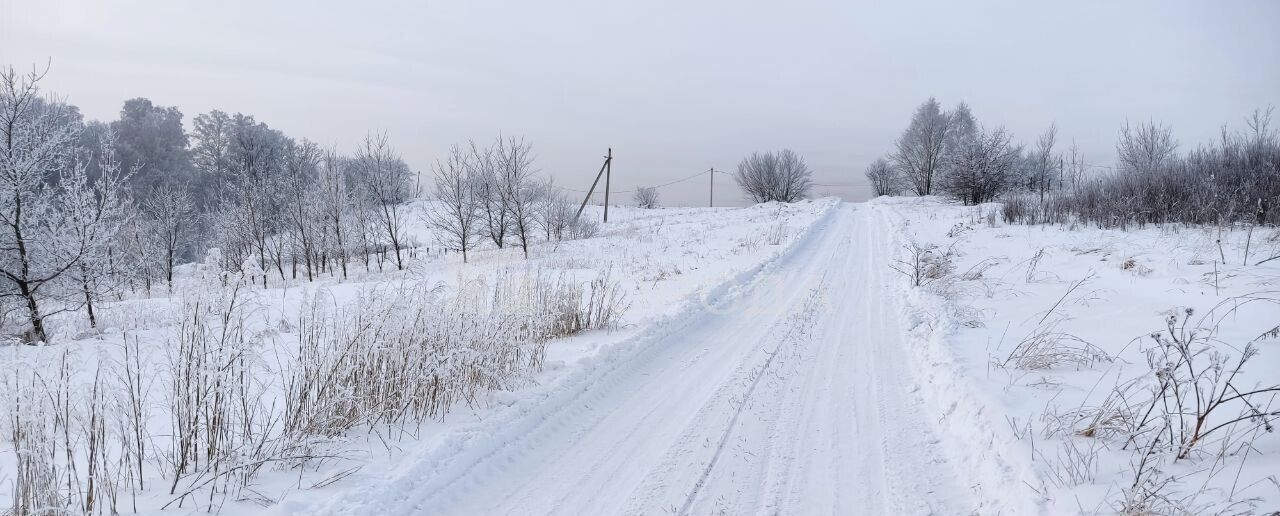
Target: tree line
[
  {"x": 95, "y": 210},
  {"x": 1234, "y": 179}
]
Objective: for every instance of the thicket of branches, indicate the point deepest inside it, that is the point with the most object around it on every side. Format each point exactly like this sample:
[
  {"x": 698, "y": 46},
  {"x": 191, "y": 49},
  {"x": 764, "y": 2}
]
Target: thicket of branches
[
  {"x": 1235, "y": 179},
  {"x": 491, "y": 193}
]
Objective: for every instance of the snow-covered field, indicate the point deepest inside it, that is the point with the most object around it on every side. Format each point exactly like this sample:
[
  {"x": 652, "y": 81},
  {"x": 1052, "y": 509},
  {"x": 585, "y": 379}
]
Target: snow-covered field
[
  {"x": 1050, "y": 429},
  {"x": 774, "y": 359}
]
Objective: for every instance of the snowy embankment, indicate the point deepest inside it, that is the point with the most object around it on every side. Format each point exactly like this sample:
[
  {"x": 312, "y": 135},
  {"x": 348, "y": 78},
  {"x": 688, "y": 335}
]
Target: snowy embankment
[
  {"x": 664, "y": 263},
  {"x": 1077, "y": 370}
]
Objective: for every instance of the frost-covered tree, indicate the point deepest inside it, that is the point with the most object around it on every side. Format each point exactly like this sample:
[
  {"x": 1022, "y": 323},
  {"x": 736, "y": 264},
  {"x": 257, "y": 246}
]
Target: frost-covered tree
[
  {"x": 921, "y": 150},
  {"x": 493, "y": 210},
  {"x": 1045, "y": 167},
  {"x": 92, "y": 213},
  {"x": 883, "y": 177},
  {"x": 646, "y": 197},
  {"x": 557, "y": 215},
  {"x": 782, "y": 176},
  {"x": 301, "y": 199},
  {"x": 170, "y": 210},
  {"x": 455, "y": 215},
  {"x": 385, "y": 180},
  {"x": 1145, "y": 148},
  {"x": 982, "y": 168},
  {"x": 211, "y": 154},
  {"x": 56, "y": 221},
  {"x": 520, "y": 192},
  {"x": 150, "y": 140},
  {"x": 334, "y": 205}
]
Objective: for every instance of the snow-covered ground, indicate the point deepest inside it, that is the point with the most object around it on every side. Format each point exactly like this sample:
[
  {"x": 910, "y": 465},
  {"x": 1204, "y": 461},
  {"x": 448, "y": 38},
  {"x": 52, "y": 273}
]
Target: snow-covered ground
[
  {"x": 774, "y": 359},
  {"x": 665, "y": 261},
  {"x": 783, "y": 394},
  {"x": 1049, "y": 432}
]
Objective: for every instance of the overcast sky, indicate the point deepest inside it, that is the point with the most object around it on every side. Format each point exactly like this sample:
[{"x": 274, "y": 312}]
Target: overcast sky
[{"x": 675, "y": 87}]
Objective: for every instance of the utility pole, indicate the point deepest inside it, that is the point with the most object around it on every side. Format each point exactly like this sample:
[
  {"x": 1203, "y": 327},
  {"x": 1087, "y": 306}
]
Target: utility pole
[
  {"x": 603, "y": 168},
  {"x": 711, "y": 198},
  {"x": 608, "y": 171}
]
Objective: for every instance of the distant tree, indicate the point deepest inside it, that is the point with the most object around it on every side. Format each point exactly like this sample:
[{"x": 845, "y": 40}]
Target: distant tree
[
  {"x": 171, "y": 212},
  {"x": 334, "y": 205},
  {"x": 302, "y": 199},
  {"x": 921, "y": 149},
  {"x": 983, "y": 168},
  {"x": 519, "y": 191},
  {"x": 150, "y": 140},
  {"x": 1075, "y": 169},
  {"x": 1045, "y": 166},
  {"x": 493, "y": 209},
  {"x": 883, "y": 177},
  {"x": 1145, "y": 148},
  {"x": 211, "y": 155},
  {"x": 385, "y": 179},
  {"x": 781, "y": 176},
  {"x": 646, "y": 197},
  {"x": 455, "y": 215},
  {"x": 557, "y": 214}
]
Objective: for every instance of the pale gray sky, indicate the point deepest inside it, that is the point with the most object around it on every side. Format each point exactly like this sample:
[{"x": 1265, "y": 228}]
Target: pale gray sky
[{"x": 674, "y": 87}]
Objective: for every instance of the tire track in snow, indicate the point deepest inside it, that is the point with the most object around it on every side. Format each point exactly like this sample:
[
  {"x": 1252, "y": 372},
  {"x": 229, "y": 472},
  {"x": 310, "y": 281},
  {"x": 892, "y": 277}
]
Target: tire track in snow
[
  {"x": 727, "y": 411},
  {"x": 814, "y": 298}
]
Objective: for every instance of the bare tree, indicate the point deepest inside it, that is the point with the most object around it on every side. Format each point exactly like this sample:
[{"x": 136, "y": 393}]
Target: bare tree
[
  {"x": 883, "y": 177},
  {"x": 493, "y": 209},
  {"x": 1145, "y": 148},
  {"x": 557, "y": 215},
  {"x": 782, "y": 177},
  {"x": 334, "y": 204},
  {"x": 646, "y": 197},
  {"x": 519, "y": 192},
  {"x": 1075, "y": 169},
  {"x": 921, "y": 149},
  {"x": 1046, "y": 167},
  {"x": 456, "y": 212},
  {"x": 386, "y": 179},
  {"x": 171, "y": 212},
  {"x": 982, "y": 169},
  {"x": 301, "y": 199}
]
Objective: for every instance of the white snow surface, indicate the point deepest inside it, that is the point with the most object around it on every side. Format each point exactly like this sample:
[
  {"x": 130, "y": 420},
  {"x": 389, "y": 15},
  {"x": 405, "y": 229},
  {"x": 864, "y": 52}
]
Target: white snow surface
[
  {"x": 772, "y": 362},
  {"x": 786, "y": 392}
]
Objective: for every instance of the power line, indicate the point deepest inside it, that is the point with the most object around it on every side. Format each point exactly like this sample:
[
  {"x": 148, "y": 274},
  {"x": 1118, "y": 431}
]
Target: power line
[{"x": 669, "y": 183}]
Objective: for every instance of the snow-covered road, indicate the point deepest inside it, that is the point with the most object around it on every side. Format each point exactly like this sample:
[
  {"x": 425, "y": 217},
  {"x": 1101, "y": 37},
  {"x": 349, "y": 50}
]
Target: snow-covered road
[{"x": 793, "y": 397}]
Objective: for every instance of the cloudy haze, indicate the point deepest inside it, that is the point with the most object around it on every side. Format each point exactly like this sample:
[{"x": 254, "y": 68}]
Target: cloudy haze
[{"x": 673, "y": 87}]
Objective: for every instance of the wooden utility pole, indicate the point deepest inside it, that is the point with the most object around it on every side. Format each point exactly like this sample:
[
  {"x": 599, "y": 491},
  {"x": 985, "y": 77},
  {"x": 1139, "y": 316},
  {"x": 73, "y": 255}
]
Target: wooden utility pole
[
  {"x": 608, "y": 171},
  {"x": 603, "y": 168},
  {"x": 711, "y": 198}
]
